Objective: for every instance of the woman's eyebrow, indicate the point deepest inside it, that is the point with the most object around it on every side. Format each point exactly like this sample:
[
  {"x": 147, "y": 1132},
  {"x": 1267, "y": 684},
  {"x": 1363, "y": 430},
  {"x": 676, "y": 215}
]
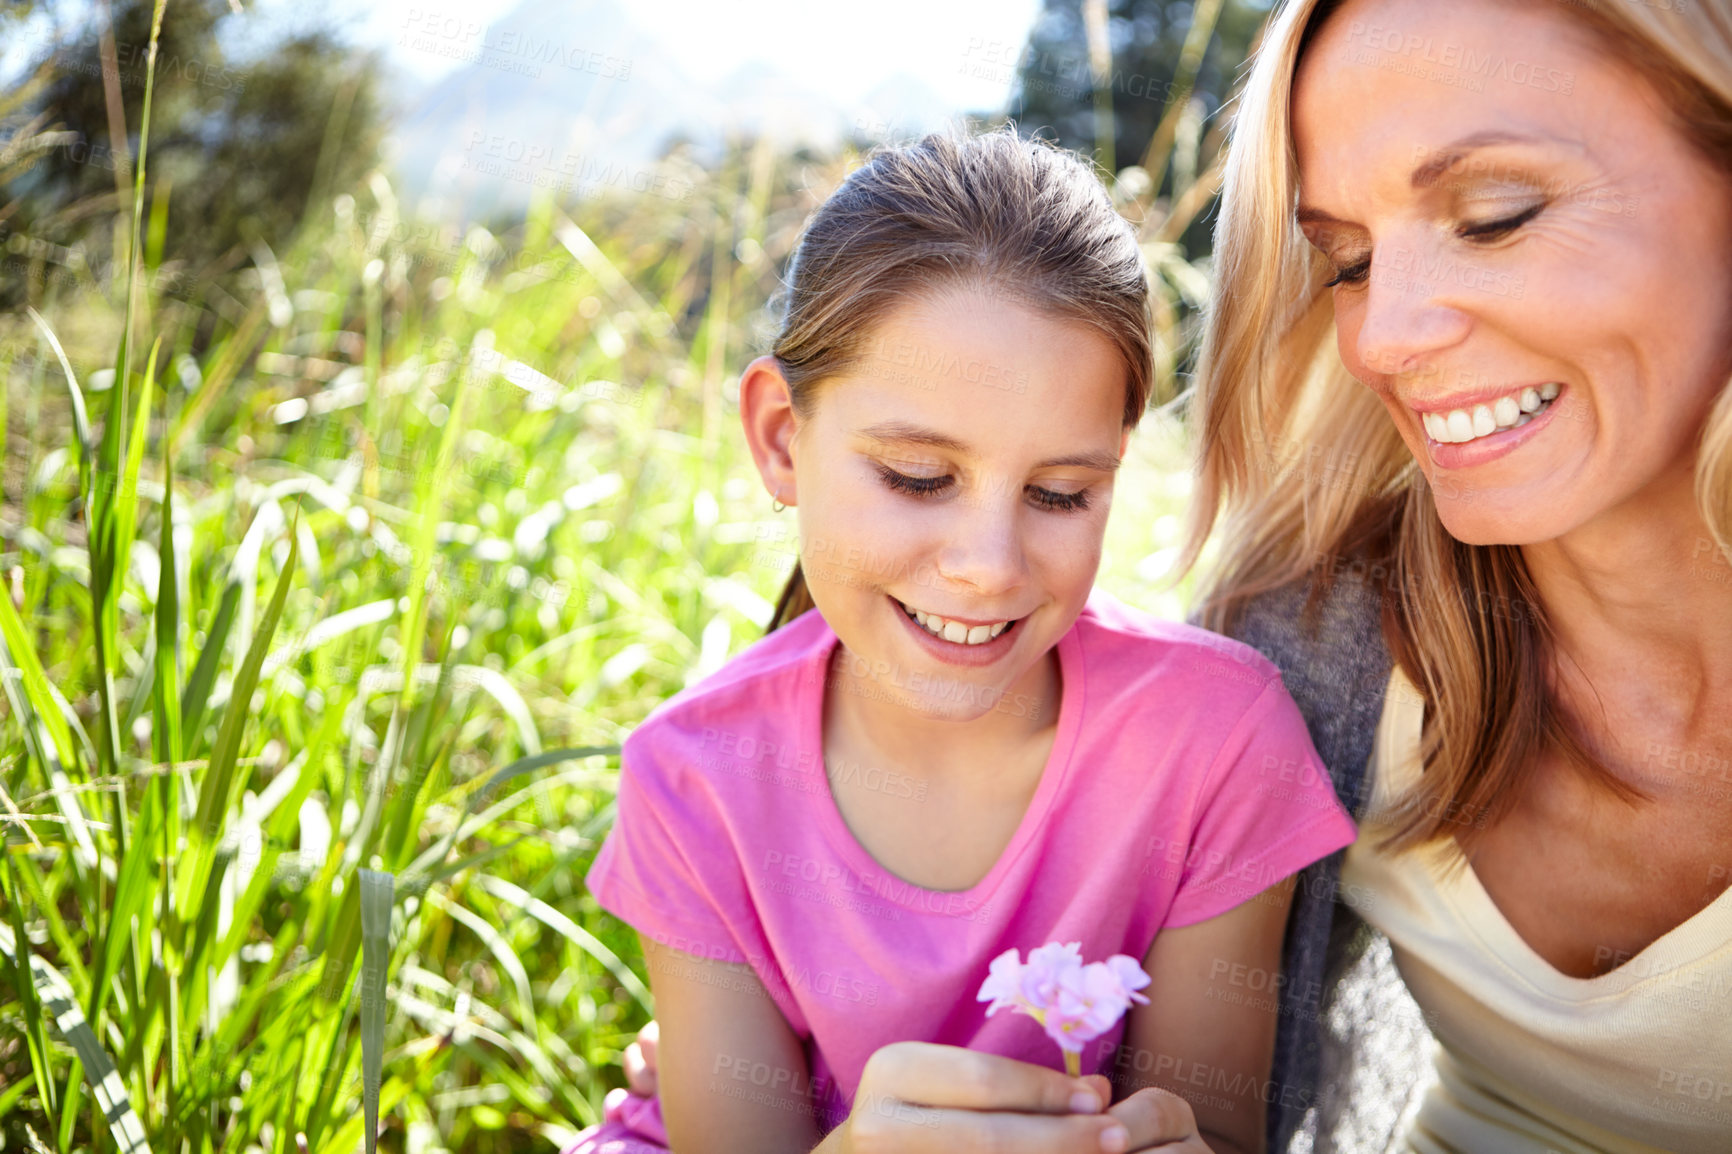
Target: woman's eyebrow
[
  {"x": 1308, "y": 215},
  {"x": 1433, "y": 170},
  {"x": 904, "y": 433},
  {"x": 1453, "y": 154}
]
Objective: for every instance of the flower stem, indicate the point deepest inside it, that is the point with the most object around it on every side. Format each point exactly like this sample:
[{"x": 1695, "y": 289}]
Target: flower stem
[{"x": 1073, "y": 1063}]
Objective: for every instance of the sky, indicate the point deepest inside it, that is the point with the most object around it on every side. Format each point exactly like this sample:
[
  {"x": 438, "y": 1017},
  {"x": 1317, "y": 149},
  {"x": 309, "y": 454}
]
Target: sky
[
  {"x": 797, "y": 71},
  {"x": 964, "y": 49}
]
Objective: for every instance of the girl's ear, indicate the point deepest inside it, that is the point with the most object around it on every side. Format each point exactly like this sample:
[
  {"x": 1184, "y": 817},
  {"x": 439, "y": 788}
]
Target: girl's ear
[{"x": 767, "y": 414}]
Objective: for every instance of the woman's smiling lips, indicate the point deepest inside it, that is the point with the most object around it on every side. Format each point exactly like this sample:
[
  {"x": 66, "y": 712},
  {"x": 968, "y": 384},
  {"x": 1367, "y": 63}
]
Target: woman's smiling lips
[
  {"x": 959, "y": 652},
  {"x": 1480, "y": 448}
]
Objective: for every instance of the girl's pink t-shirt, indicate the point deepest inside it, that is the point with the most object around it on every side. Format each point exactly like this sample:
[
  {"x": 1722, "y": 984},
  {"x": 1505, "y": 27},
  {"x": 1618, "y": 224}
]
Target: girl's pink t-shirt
[{"x": 1181, "y": 783}]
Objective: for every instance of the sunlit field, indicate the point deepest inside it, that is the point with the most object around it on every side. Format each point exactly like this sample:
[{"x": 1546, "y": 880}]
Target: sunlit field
[{"x": 324, "y": 617}]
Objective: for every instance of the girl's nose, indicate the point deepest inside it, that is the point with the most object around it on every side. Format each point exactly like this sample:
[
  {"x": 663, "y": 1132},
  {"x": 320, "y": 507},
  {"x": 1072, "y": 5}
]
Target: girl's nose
[{"x": 982, "y": 548}]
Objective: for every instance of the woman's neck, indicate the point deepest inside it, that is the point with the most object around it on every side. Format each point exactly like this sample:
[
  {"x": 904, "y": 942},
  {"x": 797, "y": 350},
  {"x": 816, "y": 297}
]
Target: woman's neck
[{"x": 1641, "y": 598}]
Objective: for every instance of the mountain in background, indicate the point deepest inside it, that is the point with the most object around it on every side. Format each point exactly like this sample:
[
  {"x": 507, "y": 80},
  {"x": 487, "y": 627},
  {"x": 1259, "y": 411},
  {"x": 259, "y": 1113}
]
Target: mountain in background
[{"x": 580, "y": 96}]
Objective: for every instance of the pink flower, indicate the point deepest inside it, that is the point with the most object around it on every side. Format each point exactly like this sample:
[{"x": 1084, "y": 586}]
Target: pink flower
[{"x": 1073, "y": 1002}]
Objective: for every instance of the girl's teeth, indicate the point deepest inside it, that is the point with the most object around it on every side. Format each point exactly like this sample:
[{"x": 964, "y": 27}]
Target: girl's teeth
[
  {"x": 956, "y": 631},
  {"x": 1508, "y": 412}
]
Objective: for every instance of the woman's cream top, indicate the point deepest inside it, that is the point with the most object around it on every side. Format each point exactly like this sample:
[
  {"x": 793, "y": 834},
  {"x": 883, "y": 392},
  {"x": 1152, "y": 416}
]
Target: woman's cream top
[{"x": 1529, "y": 1060}]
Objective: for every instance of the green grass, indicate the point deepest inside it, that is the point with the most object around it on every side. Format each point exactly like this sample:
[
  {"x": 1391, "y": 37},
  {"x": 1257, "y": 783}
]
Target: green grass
[{"x": 320, "y": 619}]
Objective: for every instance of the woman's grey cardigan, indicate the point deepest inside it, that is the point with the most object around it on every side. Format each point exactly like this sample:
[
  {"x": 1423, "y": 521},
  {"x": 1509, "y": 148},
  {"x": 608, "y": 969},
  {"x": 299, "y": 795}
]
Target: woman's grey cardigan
[{"x": 1351, "y": 1051}]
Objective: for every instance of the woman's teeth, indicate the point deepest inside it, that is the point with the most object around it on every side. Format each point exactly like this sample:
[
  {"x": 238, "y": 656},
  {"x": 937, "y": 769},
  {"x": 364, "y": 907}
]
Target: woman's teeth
[
  {"x": 955, "y": 630},
  {"x": 1507, "y": 412}
]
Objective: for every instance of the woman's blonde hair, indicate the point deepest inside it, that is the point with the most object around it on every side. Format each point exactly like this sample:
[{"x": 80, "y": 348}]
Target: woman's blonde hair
[
  {"x": 1022, "y": 218},
  {"x": 1308, "y": 478}
]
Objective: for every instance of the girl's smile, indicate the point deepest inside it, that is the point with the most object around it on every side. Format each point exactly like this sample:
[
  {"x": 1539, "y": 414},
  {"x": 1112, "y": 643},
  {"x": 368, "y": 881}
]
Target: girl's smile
[
  {"x": 957, "y": 629},
  {"x": 953, "y": 484},
  {"x": 955, "y": 641}
]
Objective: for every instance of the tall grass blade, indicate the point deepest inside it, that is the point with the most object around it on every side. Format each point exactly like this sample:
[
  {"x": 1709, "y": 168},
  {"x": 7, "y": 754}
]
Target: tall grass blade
[
  {"x": 57, "y": 998},
  {"x": 571, "y": 931},
  {"x": 218, "y": 780},
  {"x": 431, "y": 498},
  {"x": 123, "y": 361},
  {"x": 204, "y": 670},
  {"x": 80, "y": 415},
  {"x": 217, "y": 785},
  {"x": 35, "y": 1031},
  {"x": 28, "y": 670},
  {"x": 343, "y": 1139},
  {"x": 126, "y": 508},
  {"x": 498, "y": 946},
  {"x": 436, "y": 853},
  {"x": 376, "y": 899},
  {"x": 165, "y": 703}
]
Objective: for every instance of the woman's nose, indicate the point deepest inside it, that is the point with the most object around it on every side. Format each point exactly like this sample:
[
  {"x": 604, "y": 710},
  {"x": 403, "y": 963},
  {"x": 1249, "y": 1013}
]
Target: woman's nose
[{"x": 1412, "y": 310}]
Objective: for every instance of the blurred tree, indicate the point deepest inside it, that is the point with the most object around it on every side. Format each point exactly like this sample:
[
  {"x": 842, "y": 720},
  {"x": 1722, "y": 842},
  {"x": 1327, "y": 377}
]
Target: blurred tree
[
  {"x": 1138, "y": 85},
  {"x": 240, "y": 143},
  {"x": 1055, "y": 92}
]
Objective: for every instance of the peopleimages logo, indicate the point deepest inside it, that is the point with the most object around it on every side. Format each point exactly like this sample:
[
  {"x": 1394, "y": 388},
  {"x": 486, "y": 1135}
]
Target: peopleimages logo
[
  {"x": 1470, "y": 66},
  {"x": 866, "y": 676},
  {"x": 1408, "y": 270},
  {"x": 878, "y": 894}
]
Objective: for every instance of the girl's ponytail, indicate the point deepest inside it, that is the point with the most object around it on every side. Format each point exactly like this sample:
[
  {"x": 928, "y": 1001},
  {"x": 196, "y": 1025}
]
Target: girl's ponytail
[{"x": 795, "y": 600}]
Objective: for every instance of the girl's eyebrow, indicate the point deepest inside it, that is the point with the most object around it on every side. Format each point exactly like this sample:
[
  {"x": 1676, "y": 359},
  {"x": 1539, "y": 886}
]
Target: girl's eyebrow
[{"x": 904, "y": 433}]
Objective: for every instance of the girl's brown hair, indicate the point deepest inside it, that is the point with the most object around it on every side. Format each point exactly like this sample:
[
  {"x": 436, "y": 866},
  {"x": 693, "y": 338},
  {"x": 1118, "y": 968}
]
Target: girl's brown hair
[
  {"x": 1308, "y": 477},
  {"x": 1018, "y": 217}
]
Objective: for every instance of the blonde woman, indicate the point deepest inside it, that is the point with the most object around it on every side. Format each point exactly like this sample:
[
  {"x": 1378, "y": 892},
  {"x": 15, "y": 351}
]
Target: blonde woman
[
  {"x": 1466, "y": 446},
  {"x": 1466, "y": 434}
]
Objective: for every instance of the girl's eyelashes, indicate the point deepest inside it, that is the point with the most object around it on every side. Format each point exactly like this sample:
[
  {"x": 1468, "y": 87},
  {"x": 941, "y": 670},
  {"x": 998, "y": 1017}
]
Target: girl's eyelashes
[
  {"x": 929, "y": 486},
  {"x": 1481, "y": 231},
  {"x": 1063, "y": 502},
  {"x": 919, "y": 486}
]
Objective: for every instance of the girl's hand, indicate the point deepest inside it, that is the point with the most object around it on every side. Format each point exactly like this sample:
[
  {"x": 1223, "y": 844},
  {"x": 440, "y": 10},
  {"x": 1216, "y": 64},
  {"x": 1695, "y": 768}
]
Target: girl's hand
[
  {"x": 918, "y": 1098},
  {"x": 640, "y": 1061},
  {"x": 1161, "y": 1120}
]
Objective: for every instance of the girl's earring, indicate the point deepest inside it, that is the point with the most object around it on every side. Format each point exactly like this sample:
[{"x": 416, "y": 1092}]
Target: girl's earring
[{"x": 777, "y": 503}]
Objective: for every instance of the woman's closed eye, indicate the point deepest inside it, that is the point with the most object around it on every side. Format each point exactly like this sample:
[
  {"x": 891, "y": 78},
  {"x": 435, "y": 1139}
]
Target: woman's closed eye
[
  {"x": 1491, "y": 230},
  {"x": 1481, "y": 232},
  {"x": 1350, "y": 274},
  {"x": 922, "y": 486}
]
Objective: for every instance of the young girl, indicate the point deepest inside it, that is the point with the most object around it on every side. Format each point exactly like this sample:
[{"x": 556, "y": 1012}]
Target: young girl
[{"x": 947, "y": 747}]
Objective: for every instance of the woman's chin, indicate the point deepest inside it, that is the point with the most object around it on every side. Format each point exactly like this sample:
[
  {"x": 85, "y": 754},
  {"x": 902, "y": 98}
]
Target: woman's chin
[{"x": 1492, "y": 519}]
